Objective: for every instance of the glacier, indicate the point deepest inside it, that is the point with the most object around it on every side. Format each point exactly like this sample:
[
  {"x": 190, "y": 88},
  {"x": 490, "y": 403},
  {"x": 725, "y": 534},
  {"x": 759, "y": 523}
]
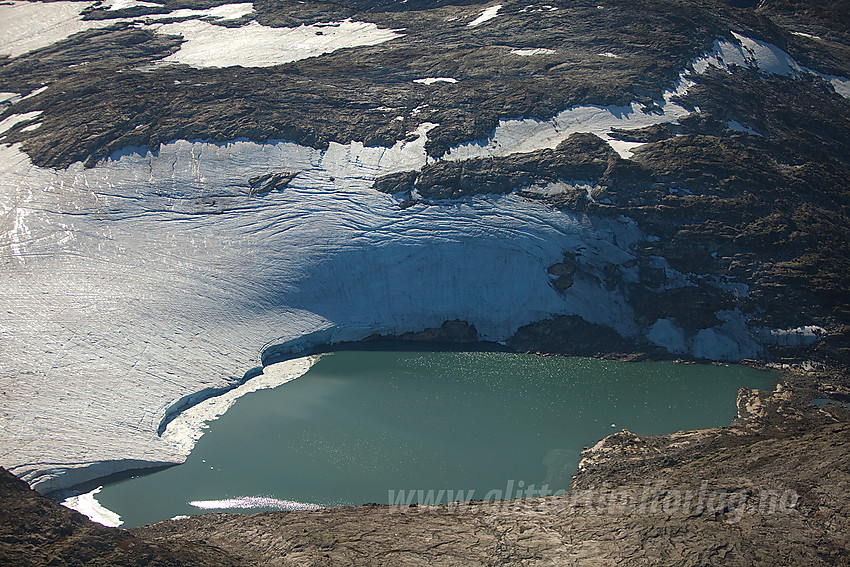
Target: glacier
[
  {"x": 154, "y": 280},
  {"x": 140, "y": 291}
]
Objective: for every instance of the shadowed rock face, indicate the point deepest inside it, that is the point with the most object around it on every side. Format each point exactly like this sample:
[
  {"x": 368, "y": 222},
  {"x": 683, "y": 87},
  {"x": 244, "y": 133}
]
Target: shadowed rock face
[{"x": 35, "y": 530}]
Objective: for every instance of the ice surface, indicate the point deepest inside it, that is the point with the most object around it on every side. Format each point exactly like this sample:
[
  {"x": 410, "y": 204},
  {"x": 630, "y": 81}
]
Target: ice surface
[
  {"x": 799, "y": 336},
  {"x": 188, "y": 426},
  {"x": 140, "y": 287},
  {"x": 487, "y": 14},
  {"x": 255, "y": 45},
  {"x": 665, "y": 333}
]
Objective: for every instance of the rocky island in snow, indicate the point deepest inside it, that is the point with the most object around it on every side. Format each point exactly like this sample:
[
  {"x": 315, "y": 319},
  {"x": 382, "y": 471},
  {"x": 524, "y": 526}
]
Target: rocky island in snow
[{"x": 192, "y": 190}]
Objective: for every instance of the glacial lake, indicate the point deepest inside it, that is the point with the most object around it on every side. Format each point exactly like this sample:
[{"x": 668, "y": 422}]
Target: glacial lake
[{"x": 362, "y": 423}]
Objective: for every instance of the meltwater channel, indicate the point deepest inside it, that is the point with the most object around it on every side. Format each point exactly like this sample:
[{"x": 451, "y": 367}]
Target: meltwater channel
[{"x": 362, "y": 423}]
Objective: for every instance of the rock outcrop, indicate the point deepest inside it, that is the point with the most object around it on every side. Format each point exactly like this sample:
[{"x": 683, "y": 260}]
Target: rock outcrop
[{"x": 35, "y": 531}]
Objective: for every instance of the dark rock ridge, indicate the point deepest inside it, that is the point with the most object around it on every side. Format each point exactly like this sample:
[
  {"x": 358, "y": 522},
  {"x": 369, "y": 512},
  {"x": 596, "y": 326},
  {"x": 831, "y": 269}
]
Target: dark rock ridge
[
  {"x": 104, "y": 95},
  {"x": 580, "y": 157},
  {"x": 266, "y": 183}
]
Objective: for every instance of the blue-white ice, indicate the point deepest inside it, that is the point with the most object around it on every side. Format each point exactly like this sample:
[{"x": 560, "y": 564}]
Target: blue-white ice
[{"x": 150, "y": 278}]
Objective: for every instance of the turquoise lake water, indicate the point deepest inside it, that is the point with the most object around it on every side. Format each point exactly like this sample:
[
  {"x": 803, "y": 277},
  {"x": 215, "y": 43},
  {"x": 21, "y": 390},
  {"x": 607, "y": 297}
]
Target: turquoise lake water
[{"x": 360, "y": 424}]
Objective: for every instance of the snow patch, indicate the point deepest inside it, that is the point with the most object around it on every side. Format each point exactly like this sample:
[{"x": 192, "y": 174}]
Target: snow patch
[
  {"x": 609, "y": 55},
  {"x": 803, "y": 34},
  {"x": 223, "y": 12},
  {"x": 763, "y": 56},
  {"x": 28, "y": 26},
  {"x": 255, "y": 45},
  {"x": 36, "y": 92},
  {"x": 533, "y": 9},
  {"x": 528, "y": 135},
  {"x": 622, "y": 147},
  {"x": 486, "y": 15},
  {"x": 432, "y": 80},
  {"x": 840, "y": 84},
  {"x": 113, "y": 5},
  {"x": 14, "y": 119},
  {"x": 534, "y": 51},
  {"x": 736, "y": 126}
]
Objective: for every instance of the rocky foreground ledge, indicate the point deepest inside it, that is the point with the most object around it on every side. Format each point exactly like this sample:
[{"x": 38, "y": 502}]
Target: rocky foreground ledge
[{"x": 770, "y": 489}]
